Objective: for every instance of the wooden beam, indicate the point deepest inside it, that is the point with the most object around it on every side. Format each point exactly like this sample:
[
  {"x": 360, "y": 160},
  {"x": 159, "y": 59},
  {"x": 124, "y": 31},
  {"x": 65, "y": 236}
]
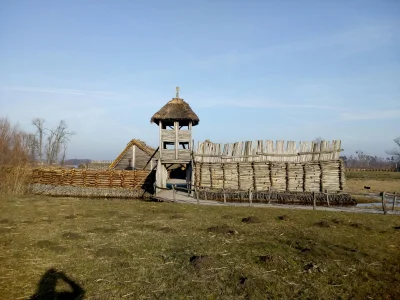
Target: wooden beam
[
  {"x": 161, "y": 141},
  {"x": 266, "y": 154},
  {"x": 176, "y": 125},
  {"x": 150, "y": 160},
  {"x": 133, "y": 156}
]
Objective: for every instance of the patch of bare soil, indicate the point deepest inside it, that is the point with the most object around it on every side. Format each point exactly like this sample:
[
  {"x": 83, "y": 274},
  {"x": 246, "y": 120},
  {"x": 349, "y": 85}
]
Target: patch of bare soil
[
  {"x": 269, "y": 259},
  {"x": 200, "y": 261},
  {"x": 50, "y": 245},
  {"x": 109, "y": 252},
  {"x": 5, "y": 221},
  {"x": 72, "y": 236},
  {"x": 225, "y": 229},
  {"x": 251, "y": 219},
  {"x": 323, "y": 223},
  {"x": 242, "y": 280}
]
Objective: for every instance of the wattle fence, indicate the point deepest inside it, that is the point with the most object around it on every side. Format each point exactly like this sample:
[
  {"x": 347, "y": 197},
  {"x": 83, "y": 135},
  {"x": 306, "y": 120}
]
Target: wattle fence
[{"x": 139, "y": 179}]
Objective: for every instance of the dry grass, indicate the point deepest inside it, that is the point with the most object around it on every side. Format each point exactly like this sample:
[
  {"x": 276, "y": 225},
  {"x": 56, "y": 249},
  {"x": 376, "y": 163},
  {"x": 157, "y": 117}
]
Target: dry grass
[
  {"x": 377, "y": 181},
  {"x": 356, "y": 186},
  {"x": 136, "y": 250}
]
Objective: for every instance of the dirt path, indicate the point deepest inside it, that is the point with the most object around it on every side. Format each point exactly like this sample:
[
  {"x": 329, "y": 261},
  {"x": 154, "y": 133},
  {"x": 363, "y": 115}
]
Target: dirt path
[{"x": 180, "y": 197}]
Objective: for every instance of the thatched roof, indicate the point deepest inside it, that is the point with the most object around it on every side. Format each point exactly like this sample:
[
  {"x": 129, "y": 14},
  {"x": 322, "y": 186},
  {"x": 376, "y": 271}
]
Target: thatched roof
[
  {"x": 176, "y": 110},
  {"x": 138, "y": 143}
]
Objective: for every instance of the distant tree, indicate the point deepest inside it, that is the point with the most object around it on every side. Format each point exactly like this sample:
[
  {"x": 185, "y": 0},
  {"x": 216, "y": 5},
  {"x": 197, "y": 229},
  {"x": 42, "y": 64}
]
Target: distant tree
[
  {"x": 318, "y": 140},
  {"x": 395, "y": 152},
  {"x": 57, "y": 140},
  {"x": 40, "y": 131}
]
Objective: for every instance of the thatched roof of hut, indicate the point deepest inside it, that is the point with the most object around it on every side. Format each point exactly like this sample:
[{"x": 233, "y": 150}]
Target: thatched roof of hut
[
  {"x": 176, "y": 110},
  {"x": 138, "y": 143}
]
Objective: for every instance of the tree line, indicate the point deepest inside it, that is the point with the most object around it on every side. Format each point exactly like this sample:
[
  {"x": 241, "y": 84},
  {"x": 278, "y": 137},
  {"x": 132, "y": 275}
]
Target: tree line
[
  {"x": 362, "y": 160},
  {"x": 44, "y": 145}
]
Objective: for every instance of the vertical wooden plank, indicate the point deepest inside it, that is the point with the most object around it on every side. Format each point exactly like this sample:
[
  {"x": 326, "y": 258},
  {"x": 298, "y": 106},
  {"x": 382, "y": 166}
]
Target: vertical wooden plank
[
  {"x": 384, "y": 203},
  {"x": 247, "y": 150},
  {"x": 161, "y": 141},
  {"x": 260, "y": 149},
  {"x": 292, "y": 150},
  {"x": 322, "y": 147},
  {"x": 269, "y": 148},
  {"x": 314, "y": 201},
  {"x": 280, "y": 149},
  {"x": 176, "y": 127},
  {"x": 219, "y": 150},
  {"x": 133, "y": 156}
]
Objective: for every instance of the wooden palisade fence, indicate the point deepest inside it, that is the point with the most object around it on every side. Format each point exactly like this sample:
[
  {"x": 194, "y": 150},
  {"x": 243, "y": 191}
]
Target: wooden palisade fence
[{"x": 261, "y": 166}]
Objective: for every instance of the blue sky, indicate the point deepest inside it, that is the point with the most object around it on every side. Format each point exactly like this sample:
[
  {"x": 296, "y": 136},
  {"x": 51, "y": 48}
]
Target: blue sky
[{"x": 278, "y": 70}]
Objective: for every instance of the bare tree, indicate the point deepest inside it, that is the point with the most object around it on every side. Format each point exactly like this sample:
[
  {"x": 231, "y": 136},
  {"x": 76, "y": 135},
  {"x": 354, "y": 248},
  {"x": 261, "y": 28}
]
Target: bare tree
[
  {"x": 318, "y": 140},
  {"x": 38, "y": 123},
  {"x": 57, "y": 139},
  {"x": 395, "y": 152}
]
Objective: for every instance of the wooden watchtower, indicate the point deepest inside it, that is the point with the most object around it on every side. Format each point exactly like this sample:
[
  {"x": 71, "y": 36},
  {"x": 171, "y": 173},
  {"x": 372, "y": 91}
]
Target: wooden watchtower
[{"x": 175, "y": 120}]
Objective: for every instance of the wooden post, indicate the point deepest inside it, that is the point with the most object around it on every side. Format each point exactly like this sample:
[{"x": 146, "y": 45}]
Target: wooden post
[
  {"x": 250, "y": 197},
  {"x": 133, "y": 157},
  {"x": 394, "y": 201},
  {"x": 384, "y": 204},
  {"x": 196, "y": 193},
  {"x": 176, "y": 127},
  {"x": 224, "y": 196},
  {"x": 161, "y": 140},
  {"x": 327, "y": 198},
  {"x": 173, "y": 192},
  {"x": 269, "y": 195},
  {"x": 314, "y": 201}
]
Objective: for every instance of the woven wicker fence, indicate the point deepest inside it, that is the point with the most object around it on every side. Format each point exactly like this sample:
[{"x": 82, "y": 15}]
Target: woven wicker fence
[
  {"x": 279, "y": 176},
  {"x": 140, "y": 179}
]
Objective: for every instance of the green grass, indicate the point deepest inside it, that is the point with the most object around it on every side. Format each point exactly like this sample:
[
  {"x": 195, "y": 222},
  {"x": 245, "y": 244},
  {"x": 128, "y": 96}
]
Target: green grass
[{"x": 119, "y": 249}]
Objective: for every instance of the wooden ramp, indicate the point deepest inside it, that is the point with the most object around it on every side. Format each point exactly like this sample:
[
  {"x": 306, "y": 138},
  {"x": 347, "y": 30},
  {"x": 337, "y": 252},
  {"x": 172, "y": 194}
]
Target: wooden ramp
[{"x": 182, "y": 197}]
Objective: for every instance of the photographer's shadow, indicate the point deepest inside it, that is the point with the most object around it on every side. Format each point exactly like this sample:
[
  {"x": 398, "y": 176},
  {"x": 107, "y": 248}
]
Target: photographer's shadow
[{"x": 47, "y": 287}]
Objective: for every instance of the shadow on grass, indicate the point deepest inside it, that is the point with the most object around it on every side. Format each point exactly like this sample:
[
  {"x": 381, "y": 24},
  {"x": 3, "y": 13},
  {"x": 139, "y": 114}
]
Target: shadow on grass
[{"x": 47, "y": 287}]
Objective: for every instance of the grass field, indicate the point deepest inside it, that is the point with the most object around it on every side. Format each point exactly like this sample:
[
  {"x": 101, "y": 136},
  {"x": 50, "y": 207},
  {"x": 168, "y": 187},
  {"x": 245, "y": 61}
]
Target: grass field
[
  {"x": 116, "y": 249},
  {"x": 377, "y": 181}
]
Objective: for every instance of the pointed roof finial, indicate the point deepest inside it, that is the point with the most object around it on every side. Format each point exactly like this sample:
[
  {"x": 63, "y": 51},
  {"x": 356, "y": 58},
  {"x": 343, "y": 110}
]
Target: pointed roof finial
[{"x": 177, "y": 91}]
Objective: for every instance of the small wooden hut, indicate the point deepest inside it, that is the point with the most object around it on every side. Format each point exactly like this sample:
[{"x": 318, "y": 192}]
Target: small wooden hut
[{"x": 135, "y": 156}]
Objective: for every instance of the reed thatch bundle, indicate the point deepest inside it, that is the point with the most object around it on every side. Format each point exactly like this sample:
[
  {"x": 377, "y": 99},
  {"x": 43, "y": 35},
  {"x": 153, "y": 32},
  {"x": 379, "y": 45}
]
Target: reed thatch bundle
[{"x": 176, "y": 110}]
